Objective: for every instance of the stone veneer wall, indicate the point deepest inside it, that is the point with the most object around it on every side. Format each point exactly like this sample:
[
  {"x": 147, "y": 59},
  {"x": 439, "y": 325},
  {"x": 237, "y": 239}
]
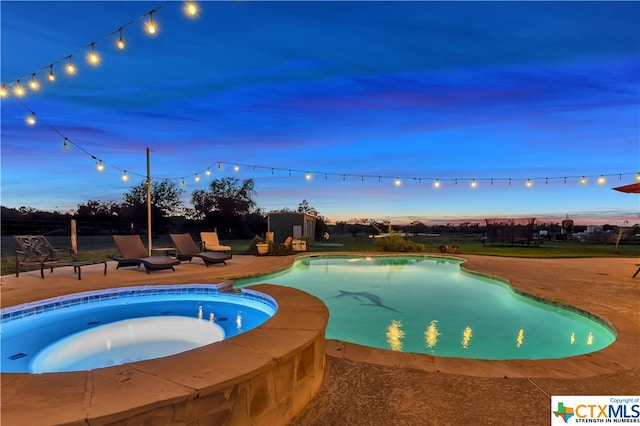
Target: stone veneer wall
[{"x": 271, "y": 397}]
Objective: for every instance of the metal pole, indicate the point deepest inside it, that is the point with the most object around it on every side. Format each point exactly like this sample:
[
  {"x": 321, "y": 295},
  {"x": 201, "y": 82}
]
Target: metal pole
[{"x": 149, "y": 233}]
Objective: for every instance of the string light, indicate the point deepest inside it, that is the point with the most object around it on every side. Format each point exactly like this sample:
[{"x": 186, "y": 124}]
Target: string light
[
  {"x": 583, "y": 180},
  {"x": 120, "y": 42},
  {"x": 191, "y": 9},
  {"x": 529, "y": 183},
  {"x": 31, "y": 120},
  {"x": 182, "y": 182},
  {"x": 601, "y": 180},
  {"x": 474, "y": 183},
  {"x": 437, "y": 183},
  {"x": 638, "y": 176},
  {"x": 491, "y": 181},
  {"x": 151, "y": 26},
  {"x": 70, "y": 68},
  {"x": 207, "y": 172},
  {"x": 100, "y": 166},
  {"x": 51, "y": 76},
  {"x": 236, "y": 168},
  {"x": 65, "y": 144},
  {"x": 308, "y": 176},
  {"x": 3, "y": 91},
  {"x": 93, "y": 57},
  {"x": 398, "y": 182},
  {"x": 197, "y": 178},
  {"x": 34, "y": 83},
  {"x": 125, "y": 177},
  {"x": 18, "y": 90}
]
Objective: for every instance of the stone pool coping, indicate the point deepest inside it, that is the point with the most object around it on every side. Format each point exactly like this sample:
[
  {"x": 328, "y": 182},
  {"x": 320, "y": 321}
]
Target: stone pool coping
[{"x": 602, "y": 286}]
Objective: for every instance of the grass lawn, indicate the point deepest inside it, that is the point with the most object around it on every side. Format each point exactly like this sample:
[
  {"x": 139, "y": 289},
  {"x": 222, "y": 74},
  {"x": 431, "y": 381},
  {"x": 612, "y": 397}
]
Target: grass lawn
[{"x": 99, "y": 247}]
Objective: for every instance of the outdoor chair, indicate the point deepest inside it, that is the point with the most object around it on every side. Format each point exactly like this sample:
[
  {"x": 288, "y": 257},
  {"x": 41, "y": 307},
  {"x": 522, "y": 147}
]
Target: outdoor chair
[
  {"x": 37, "y": 250},
  {"x": 210, "y": 242},
  {"x": 135, "y": 254},
  {"x": 187, "y": 250}
]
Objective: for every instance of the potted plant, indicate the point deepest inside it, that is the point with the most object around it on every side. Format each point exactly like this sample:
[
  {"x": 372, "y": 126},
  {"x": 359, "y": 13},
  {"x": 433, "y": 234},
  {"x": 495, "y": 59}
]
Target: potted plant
[{"x": 263, "y": 248}]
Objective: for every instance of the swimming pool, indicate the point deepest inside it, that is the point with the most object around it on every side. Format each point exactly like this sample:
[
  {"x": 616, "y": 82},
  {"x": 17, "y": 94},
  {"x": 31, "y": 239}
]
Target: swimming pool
[
  {"x": 430, "y": 305},
  {"x": 97, "y": 329}
]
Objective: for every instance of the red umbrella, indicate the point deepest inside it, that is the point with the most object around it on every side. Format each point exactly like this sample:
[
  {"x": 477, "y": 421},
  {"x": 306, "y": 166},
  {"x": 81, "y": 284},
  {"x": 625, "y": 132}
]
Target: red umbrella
[{"x": 634, "y": 188}]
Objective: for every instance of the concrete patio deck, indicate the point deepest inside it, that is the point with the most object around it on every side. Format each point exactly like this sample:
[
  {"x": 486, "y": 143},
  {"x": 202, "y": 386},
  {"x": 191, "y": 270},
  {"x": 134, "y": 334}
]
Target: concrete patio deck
[{"x": 365, "y": 386}]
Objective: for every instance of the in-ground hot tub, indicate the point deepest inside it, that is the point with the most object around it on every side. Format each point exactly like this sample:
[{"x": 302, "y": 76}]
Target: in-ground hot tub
[
  {"x": 263, "y": 376},
  {"x": 97, "y": 329}
]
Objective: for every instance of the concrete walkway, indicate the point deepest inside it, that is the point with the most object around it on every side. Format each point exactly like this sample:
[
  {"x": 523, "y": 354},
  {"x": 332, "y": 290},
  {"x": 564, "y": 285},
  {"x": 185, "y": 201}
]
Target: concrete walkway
[{"x": 365, "y": 386}]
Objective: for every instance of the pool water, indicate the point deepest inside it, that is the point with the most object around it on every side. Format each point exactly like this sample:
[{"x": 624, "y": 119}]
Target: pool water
[
  {"x": 430, "y": 305},
  {"x": 98, "y": 329}
]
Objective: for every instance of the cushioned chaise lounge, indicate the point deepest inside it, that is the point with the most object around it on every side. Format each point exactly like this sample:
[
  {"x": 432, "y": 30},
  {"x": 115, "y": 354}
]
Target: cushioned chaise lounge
[
  {"x": 187, "y": 250},
  {"x": 135, "y": 254},
  {"x": 210, "y": 242}
]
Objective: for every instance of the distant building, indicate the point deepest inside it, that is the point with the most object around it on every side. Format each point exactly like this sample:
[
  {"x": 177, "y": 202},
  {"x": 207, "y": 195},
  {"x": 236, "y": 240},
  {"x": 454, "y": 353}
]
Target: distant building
[{"x": 291, "y": 224}]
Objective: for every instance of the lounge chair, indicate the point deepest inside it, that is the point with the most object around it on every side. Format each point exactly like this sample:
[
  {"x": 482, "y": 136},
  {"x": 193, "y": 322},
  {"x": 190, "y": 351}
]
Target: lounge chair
[
  {"x": 135, "y": 254},
  {"x": 187, "y": 250},
  {"x": 210, "y": 242},
  {"x": 37, "y": 250}
]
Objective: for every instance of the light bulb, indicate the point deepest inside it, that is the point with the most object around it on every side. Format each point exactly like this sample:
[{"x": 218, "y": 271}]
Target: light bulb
[
  {"x": 51, "y": 76},
  {"x": 437, "y": 183},
  {"x": 308, "y": 176},
  {"x": 398, "y": 182},
  {"x": 236, "y": 168},
  {"x": 93, "y": 57},
  {"x": 583, "y": 180},
  {"x": 120, "y": 40},
  {"x": 100, "y": 166},
  {"x": 34, "y": 83},
  {"x": 65, "y": 145},
  {"x": 151, "y": 26},
  {"x": 529, "y": 183},
  {"x": 208, "y": 172},
  {"x": 18, "y": 90},
  {"x": 3, "y": 91},
  {"x": 124, "y": 176},
  {"x": 601, "y": 180},
  {"x": 31, "y": 120},
  {"x": 191, "y": 9},
  {"x": 474, "y": 183},
  {"x": 197, "y": 178},
  {"x": 70, "y": 68}
]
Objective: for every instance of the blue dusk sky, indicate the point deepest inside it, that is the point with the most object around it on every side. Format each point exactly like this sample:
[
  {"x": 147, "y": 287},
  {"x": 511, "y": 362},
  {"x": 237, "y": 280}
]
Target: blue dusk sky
[{"x": 378, "y": 101}]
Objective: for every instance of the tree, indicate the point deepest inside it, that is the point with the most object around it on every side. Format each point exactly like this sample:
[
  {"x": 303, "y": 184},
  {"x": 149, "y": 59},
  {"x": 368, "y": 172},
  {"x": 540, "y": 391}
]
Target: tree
[
  {"x": 98, "y": 209},
  {"x": 166, "y": 196},
  {"x": 228, "y": 205},
  {"x": 165, "y": 201},
  {"x": 304, "y": 207}
]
